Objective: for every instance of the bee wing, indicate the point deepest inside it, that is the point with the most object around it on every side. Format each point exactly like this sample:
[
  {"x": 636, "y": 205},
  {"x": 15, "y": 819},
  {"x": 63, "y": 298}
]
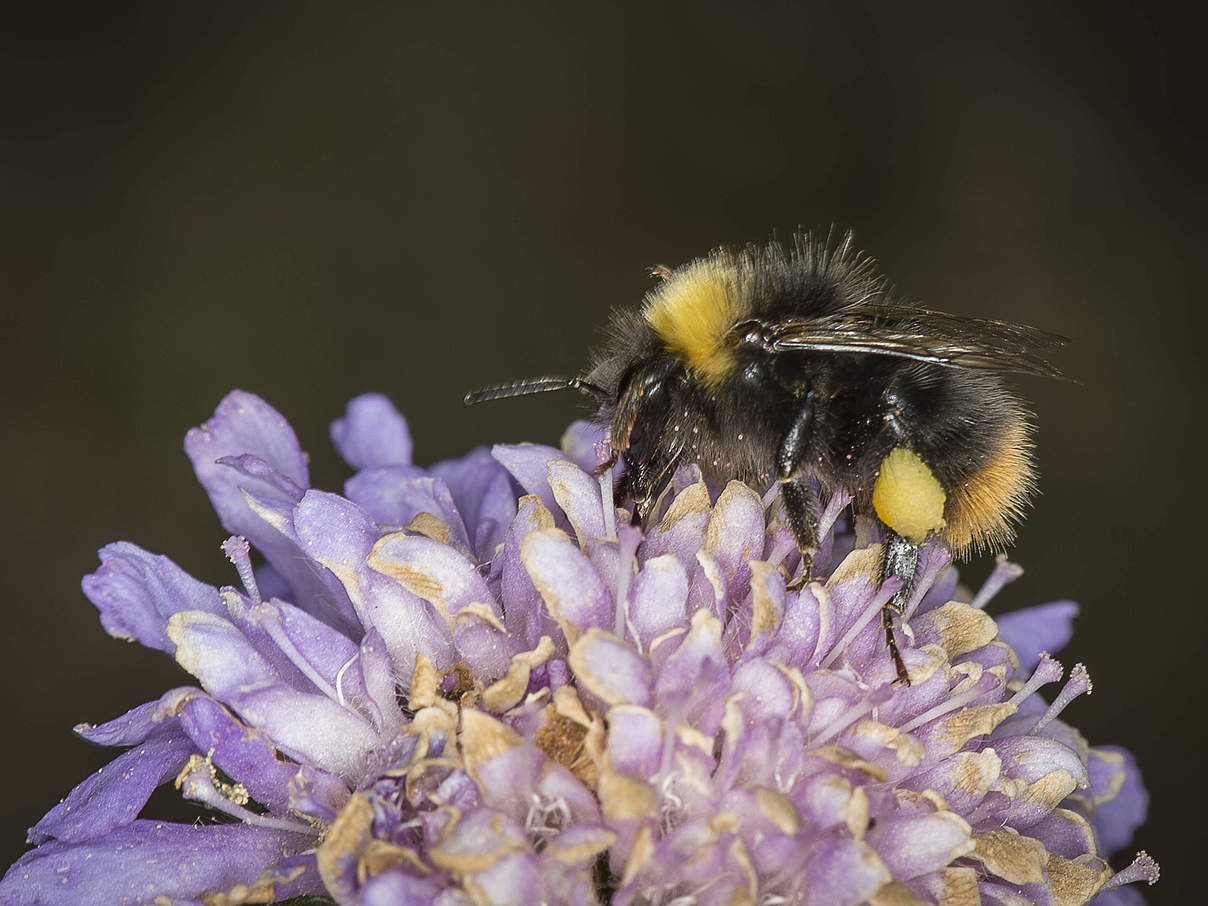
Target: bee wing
[{"x": 923, "y": 335}]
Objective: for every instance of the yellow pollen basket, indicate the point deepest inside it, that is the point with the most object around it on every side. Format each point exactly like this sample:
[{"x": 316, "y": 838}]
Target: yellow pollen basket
[{"x": 907, "y": 496}]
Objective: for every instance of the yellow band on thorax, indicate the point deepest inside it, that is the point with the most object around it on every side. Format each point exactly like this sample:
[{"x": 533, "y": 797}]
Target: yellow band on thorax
[{"x": 692, "y": 313}]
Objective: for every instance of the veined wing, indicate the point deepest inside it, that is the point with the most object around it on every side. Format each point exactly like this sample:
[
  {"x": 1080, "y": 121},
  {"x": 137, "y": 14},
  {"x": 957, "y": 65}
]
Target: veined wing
[{"x": 923, "y": 335}]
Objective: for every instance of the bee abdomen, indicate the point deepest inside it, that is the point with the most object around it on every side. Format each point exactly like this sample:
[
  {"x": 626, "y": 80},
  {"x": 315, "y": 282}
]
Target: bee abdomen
[{"x": 983, "y": 508}]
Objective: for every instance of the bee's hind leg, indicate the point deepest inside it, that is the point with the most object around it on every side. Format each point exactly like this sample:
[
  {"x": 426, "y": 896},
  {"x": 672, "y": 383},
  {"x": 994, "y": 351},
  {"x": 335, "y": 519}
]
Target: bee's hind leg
[{"x": 900, "y": 558}]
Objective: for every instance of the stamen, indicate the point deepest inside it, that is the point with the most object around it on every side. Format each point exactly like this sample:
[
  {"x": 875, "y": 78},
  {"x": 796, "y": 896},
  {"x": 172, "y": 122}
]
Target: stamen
[
  {"x": 1047, "y": 671},
  {"x": 1143, "y": 868},
  {"x": 952, "y": 703},
  {"x": 340, "y": 679},
  {"x": 932, "y": 562},
  {"x": 1003, "y": 573},
  {"x": 886, "y": 591},
  {"x": 272, "y": 626},
  {"x": 692, "y": 898},
  {"x": 610, "y": 509},
  {"x": 770, "y": 496},
  {"x": 238, "y": 552},
  {"x": 659, "y": 509},
  {"x": 665, "y": 775},
  {"x": 838, "y": 500},
  {"x": 627, "y": 548},
  {"x": 670, "y": 804},
  {"x": 849, "y": 716},
  {"x": 603, "y": 450},
  {"x": 198, "y": 781},
  {"x": 782, "y": 550},
  {"x": 1078, "y": 683},
  {"x": 668, "y": 745}
]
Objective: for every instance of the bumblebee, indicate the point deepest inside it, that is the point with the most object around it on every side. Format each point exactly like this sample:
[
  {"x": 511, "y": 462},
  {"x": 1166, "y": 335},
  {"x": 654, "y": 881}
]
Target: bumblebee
[{"x": 793, "y": 363}]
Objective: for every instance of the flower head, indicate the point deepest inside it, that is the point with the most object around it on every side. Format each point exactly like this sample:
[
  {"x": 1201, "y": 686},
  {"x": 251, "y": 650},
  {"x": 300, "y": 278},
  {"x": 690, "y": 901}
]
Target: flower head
[{"x": 476, "y": 683}]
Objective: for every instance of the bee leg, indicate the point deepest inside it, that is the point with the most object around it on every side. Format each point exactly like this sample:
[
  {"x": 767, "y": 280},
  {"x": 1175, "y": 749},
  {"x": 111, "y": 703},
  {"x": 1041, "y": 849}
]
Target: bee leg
[
  {"x": 647, "y": 482},
  {"x": 620, "y": 490},
  {"x": 798, "y": 506},
  {"x": 635, "y": 483},
  {"x": 899, "y": 558},
  {"x": 643, "y": 504},
  {"x": 790, "y": 454},
  {"x": 606, "y": 464},
  {"x": 642, "y": 510}
]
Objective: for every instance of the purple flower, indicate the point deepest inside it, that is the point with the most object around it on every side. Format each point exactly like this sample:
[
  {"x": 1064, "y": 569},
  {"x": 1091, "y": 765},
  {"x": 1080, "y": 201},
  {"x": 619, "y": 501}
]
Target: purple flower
[{"x": 476, "y": 683}]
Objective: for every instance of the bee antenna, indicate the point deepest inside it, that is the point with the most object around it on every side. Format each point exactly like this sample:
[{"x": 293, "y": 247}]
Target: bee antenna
[{"x": 530, "y": 386}]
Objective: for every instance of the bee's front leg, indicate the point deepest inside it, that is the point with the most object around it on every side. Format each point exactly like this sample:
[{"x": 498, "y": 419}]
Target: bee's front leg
[
  {"x": 621, "y": 489},
  {"x": 648, "y": 481}
]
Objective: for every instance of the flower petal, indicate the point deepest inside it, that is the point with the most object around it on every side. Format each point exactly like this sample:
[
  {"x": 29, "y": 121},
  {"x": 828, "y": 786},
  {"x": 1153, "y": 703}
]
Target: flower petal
[
  {"x": 581, "y": 442},
  {"x": 1118, "y": 797},
  {"x": 243, "y": 424},
  {"x": 248, "y": 755},
  {"x": 372, "y": 434},
  {"x": 569, "y": 584},
  {"x": 635, "y": 740},
  {"x": 737, "y": 521},
  {"x": 843, "y": 872},
  {"x": 249, "y": 462},
  {"x": 610, "y": 669},
  {"x": 483, "y": 492},
  {"x": 135, "y": 725},
  {"x": 448, "y": 581},
  {"x": 658, "y": 597},
  {"x": 920, "y": 844},
  {"x": 398, "y": 496},
  {"x": 579, "y": 496},
  {"x": 341, "y": 536},
  {"x": 304, "y": 725},
  {"x": 528, "y": 464},
  {"x": 1046, "y": 627},
  {"x": 147, "y": 860},
  {"x": 115, "y": 794},
  {"x": 136, "y": 592}
]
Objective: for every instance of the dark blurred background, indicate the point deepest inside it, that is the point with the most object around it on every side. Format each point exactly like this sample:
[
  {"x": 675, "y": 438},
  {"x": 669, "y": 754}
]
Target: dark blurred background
[{"x": 310, "y": 201}]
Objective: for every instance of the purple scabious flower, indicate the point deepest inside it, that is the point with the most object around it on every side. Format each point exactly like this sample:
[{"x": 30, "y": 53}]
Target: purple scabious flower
[{"x": 476, "y": 683}]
